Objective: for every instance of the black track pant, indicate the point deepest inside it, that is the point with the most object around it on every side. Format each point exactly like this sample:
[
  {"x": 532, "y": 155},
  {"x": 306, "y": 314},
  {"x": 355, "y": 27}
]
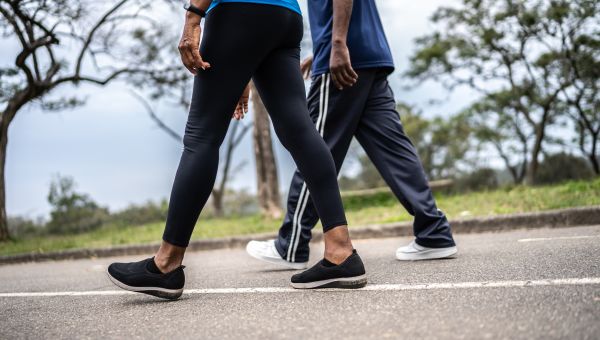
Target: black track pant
[
  {"x": 262, "y": 42},
  {"x": 366, "y": 111}
]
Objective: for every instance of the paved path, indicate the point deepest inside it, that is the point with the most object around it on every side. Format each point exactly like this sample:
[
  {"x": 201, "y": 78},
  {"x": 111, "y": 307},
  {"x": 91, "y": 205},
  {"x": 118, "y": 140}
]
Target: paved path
[{"x": 522, "y": 284}]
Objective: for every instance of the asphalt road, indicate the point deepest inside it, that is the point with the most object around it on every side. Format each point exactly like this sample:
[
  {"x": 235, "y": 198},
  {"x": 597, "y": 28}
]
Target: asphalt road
[{"x": 542, "y": 284}]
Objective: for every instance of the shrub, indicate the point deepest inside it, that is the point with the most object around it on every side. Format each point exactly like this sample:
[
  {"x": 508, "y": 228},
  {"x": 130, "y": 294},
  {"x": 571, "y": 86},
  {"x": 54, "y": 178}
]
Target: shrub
[
  {"x": 480, "y": 179},
  {"x": 561, "y": 167},
  {"x": 72, "y": 212},
  {"x": 19, "y": 226},
  {"x": 141, "y": 214}
]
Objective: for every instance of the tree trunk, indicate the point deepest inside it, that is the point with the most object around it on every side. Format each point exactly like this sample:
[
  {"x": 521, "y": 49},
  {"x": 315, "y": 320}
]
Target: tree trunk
[
  {"x": 4, "y": 123},
  {"x": 218, "y": 193},
  {"x": 593, "y": 154},
  {"x": 266, "y": 168},
  {"x": 535, "y": 152},
  {"x": 593, "y": 157},
  {"x": 3, "y": 220},
  {"x": 217, "y": 202},
  {"x": 14, "y": 105},
  {"x": 516, "y": 171}
]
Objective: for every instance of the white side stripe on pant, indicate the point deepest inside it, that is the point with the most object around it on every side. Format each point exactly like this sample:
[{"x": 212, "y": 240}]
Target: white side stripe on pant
[
  {"x": 303, "y": 189},
  {"x": 295, "y": 222},
  {"x": 304, "y": 194}
]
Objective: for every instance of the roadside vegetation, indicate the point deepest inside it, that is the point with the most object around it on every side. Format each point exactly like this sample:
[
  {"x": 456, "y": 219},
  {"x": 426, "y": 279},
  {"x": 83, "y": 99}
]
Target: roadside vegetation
[{"x": 144, "y": 224}]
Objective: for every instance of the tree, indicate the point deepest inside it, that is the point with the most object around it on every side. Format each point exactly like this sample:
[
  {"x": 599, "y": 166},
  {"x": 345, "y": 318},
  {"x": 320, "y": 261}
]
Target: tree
[
  {"x": 513, "y": 53},
  {"x": 72, "y": 212},
  {"x": 266, "y": 167},
  {"x": 73, "y": 42},
  {"x": 505, "y": 133},
  {"x": 582, "y": 66},
  {"x": 443, "y": 143}
]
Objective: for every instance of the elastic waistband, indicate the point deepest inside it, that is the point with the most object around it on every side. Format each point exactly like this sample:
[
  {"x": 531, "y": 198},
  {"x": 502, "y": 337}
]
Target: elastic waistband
[{"x": 289, "y": 4}]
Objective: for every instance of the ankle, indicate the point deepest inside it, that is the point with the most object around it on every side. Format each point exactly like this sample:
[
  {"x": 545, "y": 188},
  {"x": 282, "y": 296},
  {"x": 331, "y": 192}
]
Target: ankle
[
  {"x": 168, "y": 257},
  {"x": 338, "y": 255},
  {"x": 338, "y": 246},
  {"x": 166, "y": 264}
]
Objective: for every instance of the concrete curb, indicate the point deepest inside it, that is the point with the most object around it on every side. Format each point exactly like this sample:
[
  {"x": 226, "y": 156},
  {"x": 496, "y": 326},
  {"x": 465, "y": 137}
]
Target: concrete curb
[{"x": 548, "y": 219}]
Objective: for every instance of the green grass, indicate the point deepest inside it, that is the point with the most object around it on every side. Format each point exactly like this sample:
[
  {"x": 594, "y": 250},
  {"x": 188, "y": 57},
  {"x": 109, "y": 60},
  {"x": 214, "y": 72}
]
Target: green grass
[{"x": 378, "y": 208}]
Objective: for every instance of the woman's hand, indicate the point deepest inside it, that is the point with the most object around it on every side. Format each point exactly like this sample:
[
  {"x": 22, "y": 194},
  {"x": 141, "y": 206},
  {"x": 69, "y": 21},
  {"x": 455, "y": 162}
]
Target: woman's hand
[
  {"x": 242, "y": 106},
  {"x": 305, "y": 67},
  {"x": 189, "y": 45}
]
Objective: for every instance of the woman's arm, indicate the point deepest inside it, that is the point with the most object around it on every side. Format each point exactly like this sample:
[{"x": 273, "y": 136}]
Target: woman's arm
[{"x": 189, "y": 45}]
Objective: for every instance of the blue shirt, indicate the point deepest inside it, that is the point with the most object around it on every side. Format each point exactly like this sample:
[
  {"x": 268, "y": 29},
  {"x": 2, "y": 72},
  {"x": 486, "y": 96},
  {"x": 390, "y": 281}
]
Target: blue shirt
[
  {"x": 291, "y": 4},
  {"x": 366, "y": 40}
]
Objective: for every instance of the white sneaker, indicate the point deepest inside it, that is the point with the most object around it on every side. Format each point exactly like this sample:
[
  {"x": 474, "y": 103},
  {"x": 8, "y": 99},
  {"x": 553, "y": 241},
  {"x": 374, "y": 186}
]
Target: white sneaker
[
  {"x": 266, "y": 251},
  {"x": 414, "y": 252}
]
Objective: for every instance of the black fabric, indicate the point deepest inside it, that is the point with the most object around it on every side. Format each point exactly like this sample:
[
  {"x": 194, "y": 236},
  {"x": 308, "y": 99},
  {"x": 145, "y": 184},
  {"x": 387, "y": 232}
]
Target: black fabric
[
  {"x": 152, "y": 267},
  {"x": 366, "y": 111},
  {"x": 351, "y": 267},
  {"x": 327, "y": 263},
  {"x": 241, "y": 41},
  {"x": 136, "y": 274}
]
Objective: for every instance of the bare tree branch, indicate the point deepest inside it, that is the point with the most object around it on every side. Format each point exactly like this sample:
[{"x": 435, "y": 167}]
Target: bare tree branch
[
  {"x": 155, "y": 118},
  {"x": 93, "y": 31}
]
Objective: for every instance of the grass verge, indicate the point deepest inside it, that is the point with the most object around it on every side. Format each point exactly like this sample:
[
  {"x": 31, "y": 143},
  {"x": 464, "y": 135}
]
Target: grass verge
[{"x": 378, "y": 208}]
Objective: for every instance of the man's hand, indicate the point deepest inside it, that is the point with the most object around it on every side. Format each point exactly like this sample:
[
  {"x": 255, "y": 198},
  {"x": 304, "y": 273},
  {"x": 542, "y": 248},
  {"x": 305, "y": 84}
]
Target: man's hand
[
  {"x": 342, "y": 73},
  {"x": 242, "y": 106},
  {"x": 305, "y": 67},
  {"x": 189, "y": 45}
]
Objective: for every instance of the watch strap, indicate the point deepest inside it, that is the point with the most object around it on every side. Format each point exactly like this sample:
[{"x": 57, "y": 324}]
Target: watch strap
[{"x": 195, "y": 10}]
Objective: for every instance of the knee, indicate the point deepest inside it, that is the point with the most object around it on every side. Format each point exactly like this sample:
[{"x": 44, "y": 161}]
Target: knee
[
  {"x": 298, "y": 137},
  {"x": 195, "y": 141}
]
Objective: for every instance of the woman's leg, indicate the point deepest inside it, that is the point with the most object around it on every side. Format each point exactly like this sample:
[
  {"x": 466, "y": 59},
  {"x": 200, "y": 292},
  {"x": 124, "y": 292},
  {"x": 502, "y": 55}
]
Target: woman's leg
[
  {"x": 205, "y": 130},
  {"x": 234, "y": 54},
  {"x": 279, "y": 81}
]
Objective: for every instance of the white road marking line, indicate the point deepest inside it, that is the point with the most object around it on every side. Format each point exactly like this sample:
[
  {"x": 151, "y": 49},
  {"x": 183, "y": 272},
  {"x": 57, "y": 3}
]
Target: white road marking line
[
  {"x": 380, "y": 287},
  {"x": 556, "y": 238}
]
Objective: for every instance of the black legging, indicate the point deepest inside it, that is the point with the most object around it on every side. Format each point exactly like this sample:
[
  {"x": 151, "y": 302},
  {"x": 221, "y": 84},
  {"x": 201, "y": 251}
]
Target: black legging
[{"x": 262, "y": 42}]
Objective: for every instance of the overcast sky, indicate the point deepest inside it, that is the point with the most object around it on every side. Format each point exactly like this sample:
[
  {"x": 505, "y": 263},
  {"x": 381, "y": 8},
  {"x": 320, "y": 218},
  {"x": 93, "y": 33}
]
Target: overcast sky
[{"x": 117, "y": 154}]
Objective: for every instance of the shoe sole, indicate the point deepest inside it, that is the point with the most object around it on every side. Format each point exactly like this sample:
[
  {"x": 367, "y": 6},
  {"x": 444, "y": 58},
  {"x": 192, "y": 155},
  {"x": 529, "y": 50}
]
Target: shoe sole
[
  {"x": 430, "y": 254},
  {"x": 344, "y": 283},
  {"x": 169, "y": 294},
  {"x": 280, "y": 262}
]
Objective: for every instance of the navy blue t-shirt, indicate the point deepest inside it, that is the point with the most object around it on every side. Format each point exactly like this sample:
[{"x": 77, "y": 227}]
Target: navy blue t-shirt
[{"x": 366, "y": 40}]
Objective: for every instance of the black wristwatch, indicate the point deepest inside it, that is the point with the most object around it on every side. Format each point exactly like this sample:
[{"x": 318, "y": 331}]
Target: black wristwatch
[{"x": 195, "y": 10}]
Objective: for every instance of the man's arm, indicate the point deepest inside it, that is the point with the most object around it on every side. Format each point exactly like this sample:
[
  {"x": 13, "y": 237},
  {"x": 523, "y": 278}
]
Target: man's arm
[
  {"x": 340, "y": 66},
  {"x": 189, "y": 45}
]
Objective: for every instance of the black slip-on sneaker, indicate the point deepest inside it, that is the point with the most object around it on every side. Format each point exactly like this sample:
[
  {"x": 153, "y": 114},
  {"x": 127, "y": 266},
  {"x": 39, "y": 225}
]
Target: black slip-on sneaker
[
  {"x": 349, "y": 274},
  {"x": 137, "y": 277}
]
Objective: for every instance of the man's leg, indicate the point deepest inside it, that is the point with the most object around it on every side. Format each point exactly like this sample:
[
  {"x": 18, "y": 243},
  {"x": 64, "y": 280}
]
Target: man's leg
[
  {"x": 381, "y": 134},
  {"x": 336, "y": 115}
]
